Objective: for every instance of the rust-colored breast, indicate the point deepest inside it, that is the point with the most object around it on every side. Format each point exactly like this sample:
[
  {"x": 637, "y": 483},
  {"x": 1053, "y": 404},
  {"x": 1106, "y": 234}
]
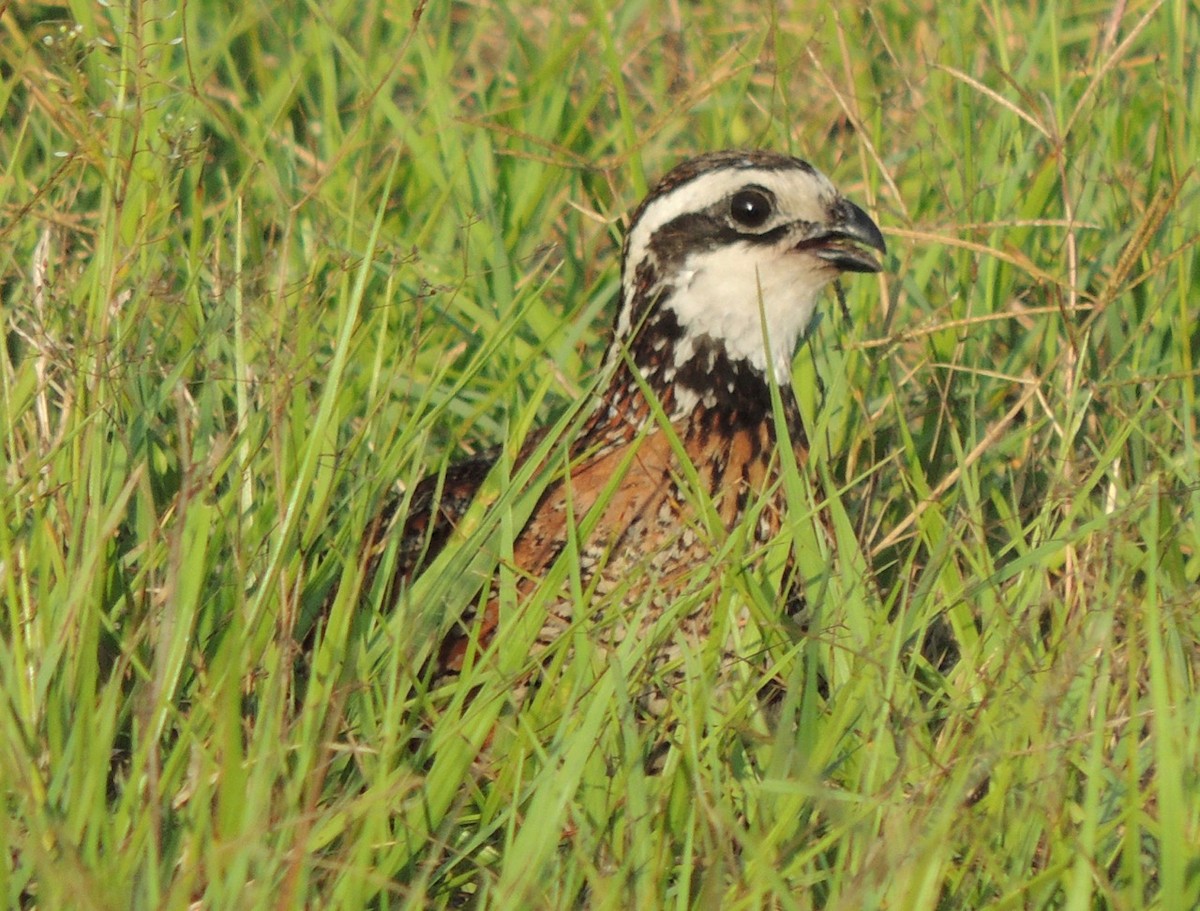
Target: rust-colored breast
[{"x": 649, "y": 538}]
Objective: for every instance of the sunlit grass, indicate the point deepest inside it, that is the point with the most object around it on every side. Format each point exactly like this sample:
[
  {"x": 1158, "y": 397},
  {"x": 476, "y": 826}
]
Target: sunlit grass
[{"x": 263, "y": 266}]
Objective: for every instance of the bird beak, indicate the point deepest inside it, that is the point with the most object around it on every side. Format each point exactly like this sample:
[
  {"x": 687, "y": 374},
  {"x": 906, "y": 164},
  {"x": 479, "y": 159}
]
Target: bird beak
[{"x": 840, "y": 243}]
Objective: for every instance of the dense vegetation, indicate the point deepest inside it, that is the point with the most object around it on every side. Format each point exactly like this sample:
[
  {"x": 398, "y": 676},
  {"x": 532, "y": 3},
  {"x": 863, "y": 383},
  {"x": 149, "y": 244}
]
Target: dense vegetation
[{"x": 264, "y": 264}]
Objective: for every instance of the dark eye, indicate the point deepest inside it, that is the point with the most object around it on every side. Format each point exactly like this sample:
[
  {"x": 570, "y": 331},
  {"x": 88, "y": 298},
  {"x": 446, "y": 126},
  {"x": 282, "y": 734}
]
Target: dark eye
[{"x": 751, "y": 207}]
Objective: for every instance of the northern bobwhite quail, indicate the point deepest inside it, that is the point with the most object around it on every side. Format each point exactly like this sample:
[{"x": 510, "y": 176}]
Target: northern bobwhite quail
[{"x": 722, "y": 266}]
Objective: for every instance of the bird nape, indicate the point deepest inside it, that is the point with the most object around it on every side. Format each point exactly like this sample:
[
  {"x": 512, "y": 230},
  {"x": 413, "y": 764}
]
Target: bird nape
[{"x": 722, "y": 267}]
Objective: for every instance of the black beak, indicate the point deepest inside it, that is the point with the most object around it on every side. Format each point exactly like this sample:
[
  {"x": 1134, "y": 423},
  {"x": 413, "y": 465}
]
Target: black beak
[{"x": 841, "y": 243}]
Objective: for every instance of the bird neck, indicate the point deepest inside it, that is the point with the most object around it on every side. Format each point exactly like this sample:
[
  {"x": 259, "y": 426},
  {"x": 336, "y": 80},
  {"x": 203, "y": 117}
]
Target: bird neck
[{"x": 697, "y": 385}]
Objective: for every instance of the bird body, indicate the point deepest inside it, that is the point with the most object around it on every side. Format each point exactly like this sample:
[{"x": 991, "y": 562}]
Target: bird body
[{"x": 722, "y": 267}]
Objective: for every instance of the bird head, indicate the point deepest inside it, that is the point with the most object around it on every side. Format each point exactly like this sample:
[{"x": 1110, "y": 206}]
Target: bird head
[{"x": 724, "y": 262}]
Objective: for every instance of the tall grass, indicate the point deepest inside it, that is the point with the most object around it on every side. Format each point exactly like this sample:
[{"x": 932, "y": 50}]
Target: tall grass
[{"x": 263, "y": 265}]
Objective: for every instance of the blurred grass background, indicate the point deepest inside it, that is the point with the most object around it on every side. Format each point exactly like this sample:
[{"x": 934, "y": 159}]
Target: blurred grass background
[{"x": 263, "y": 263}]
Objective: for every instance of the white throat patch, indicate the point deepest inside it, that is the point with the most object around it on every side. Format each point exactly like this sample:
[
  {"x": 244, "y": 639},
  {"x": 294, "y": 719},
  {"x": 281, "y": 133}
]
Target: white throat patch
[{"x": 741, "y": 293}]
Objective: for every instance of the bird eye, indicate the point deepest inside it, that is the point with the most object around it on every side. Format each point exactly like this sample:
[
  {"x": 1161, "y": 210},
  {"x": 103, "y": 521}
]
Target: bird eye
[{"x": 750, "y": 207}]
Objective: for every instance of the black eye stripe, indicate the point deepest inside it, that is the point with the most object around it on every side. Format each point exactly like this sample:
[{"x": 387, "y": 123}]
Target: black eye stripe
[
  {"x": 699, "y": 232},
  {"x": 751, "y": 206}
]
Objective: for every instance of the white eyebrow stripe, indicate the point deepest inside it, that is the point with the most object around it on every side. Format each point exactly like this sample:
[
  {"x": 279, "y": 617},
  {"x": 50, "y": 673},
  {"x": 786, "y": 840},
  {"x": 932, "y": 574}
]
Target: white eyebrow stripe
[
  {"x": 697, "y": 194},
  {"x": 788, "y": 184}
]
